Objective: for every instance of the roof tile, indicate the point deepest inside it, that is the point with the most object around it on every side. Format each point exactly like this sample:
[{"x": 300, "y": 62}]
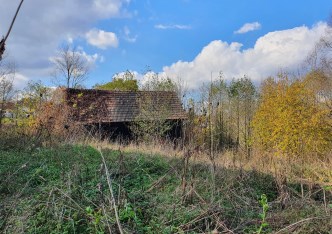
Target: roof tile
[{"x": 95, "y": 106}]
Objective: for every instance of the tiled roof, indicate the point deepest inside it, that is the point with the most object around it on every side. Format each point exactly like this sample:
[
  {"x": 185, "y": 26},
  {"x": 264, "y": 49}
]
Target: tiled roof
[
  {"x": 8, "y": 106},
  {"x": 101, "y": 106}
]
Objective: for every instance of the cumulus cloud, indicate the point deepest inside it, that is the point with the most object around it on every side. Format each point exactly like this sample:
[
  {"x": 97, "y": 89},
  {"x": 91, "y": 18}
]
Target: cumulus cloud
[
  {"x": 274, "y": 51},
  {"x": 248, "y": 27},
  {"x": 172, "y": 26},
  {"x": 109, "y": 8},
  {"x": 142, "y": 78},
  {"x": 102, "y": 39},
  {"x": 41, "y": 25},
  {"x": 90, "y": 58}
]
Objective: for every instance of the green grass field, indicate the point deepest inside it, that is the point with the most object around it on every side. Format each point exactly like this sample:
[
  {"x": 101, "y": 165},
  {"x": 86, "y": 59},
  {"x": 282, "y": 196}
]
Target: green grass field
[{"x": 65, "y": 190}]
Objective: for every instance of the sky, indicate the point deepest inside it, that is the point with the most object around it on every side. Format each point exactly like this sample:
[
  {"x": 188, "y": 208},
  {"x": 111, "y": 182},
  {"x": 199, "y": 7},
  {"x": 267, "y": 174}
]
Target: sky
[{"x": 180, "y": 39}]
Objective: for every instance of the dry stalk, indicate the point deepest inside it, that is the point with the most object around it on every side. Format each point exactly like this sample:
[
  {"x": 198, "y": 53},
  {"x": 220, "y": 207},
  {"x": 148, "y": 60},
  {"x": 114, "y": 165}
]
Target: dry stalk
[
  {"x": 184, "y": 183},
  {"x": 108, "y": 225},
  {"x": 158, "y": 181},
  {"x": 204, "y": 215},
  {"x": 294, "y": 225},
  {"x": 109, "y": 183},
  {"x": 67, "y": 196},
  {"x": 221, "y": 224}
]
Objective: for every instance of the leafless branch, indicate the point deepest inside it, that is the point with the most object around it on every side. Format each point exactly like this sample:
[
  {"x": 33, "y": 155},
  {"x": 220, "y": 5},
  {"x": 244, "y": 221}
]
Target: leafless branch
[{"x": 70, "y": 67}]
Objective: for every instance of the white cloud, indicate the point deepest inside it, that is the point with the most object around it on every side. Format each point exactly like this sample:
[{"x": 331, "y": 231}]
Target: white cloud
[
  {"x": 102, "y": 39},
  {"x": 141, "y": 78},
  {"x": 127, "y": 35},
  {"x": 90, "y": 58},
  {"x": 70, "y": 40},
  {"x": 42, "y": 25},
  {"x": 148, "y": 76},
  {"x": 172, "y": 26},
  {"x": 123, "y": 74},
  {"x": 274, "y": 51},
  {"x": 107, "y": 8},
  {"x": 248, "y": 27},
  {"x": 20, "y": 81}
]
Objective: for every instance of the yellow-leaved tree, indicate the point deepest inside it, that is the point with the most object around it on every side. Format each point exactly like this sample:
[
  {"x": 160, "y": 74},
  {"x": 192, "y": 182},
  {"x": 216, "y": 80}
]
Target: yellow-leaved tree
[{"x": 291, "y": 120}]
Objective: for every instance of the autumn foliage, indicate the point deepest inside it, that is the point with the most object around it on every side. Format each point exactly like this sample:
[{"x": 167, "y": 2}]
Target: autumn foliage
[{"x": 291, "y": 119}]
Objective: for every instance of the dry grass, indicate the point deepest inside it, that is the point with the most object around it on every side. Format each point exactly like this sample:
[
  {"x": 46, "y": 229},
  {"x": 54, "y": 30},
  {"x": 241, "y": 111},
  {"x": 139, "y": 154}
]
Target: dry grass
[{"x": 312, "y": 170}]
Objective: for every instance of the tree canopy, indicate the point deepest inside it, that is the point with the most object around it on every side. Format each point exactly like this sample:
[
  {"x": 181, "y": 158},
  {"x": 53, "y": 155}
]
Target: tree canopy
[
  {"x": 290, "y": 119},
  {"x": 121, "y": 82},
  {"x": 158, "y": 83}
]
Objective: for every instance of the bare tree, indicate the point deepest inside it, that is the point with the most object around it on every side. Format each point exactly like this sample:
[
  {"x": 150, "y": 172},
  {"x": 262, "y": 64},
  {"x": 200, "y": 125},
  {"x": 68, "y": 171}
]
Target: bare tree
[
  {"x": 318, "y": 66},
  {"x": 71, "y": 68},
  {"x": 320, "y": 58},
  {"x": 181, "y": 89},
  {"x": 7, "y": 73}
]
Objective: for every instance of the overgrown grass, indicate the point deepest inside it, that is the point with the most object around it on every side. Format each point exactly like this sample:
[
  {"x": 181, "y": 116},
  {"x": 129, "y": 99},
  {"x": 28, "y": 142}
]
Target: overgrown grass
[{"x": 64, "y": 190}]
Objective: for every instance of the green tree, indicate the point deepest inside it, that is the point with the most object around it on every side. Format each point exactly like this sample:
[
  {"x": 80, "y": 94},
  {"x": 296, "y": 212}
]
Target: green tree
[
  {"x": 121, "y": 82},
  {"x": 155, "y": 82},
  {"x": 235, "y": 95},
  {"x": 151, "y": 123},
  {"x": 235, "y": 107},
  {"x": 231, "y": 107}
]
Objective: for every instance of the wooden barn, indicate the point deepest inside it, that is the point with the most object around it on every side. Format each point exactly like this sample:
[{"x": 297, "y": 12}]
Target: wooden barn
[{"x": 113, "y": 113}]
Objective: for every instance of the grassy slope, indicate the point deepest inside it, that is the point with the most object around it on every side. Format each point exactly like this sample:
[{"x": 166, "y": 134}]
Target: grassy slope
[{"x": 64, "y": 190}]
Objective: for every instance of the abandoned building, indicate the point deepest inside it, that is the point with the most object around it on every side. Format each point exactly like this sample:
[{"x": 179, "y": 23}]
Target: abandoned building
[
  {"x": 7, "y": 110},
  {"x": 114, "y": 113}
]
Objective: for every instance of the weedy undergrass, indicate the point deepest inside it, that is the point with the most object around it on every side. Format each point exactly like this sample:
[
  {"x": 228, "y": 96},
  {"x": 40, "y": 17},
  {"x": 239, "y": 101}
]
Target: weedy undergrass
[{"x": 64, "y": 190}]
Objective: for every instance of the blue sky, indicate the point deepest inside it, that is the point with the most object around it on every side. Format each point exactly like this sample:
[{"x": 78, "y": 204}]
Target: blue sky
[{"x": 177, "y": 38}]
